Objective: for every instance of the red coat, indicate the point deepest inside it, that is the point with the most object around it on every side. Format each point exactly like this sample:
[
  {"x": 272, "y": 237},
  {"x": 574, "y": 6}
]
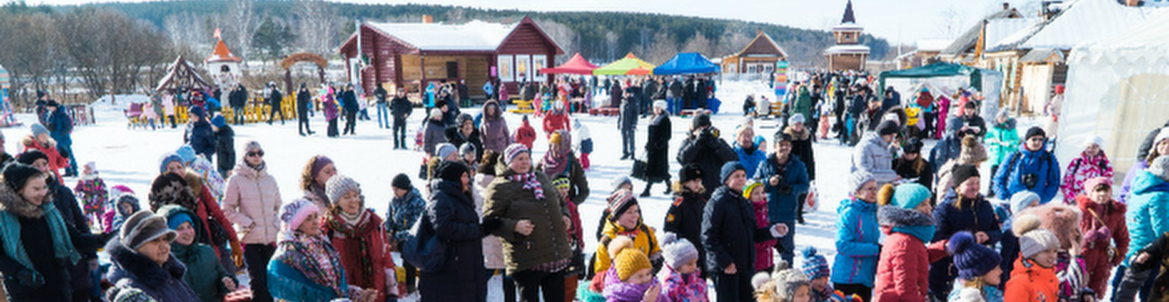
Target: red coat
[
  {"x": 556, "y": 121},
  {"x": 1031, "y": 283},
  {"x": 56, "y": 161},
  {"x": 378, "y": 254},
  {"x": 904, "y": 269},
  {"x": 1098, "y": 240},
  {"x": 209, "y": 208},
  {"x": 526, "y": 135}
]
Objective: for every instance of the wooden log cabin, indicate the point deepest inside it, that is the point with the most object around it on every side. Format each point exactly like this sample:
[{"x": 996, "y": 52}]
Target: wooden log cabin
[{"x": 414, "y": 55}]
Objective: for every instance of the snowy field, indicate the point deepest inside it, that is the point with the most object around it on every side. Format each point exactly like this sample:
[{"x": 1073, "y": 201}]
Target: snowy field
[{"x": 131, "y": 157}]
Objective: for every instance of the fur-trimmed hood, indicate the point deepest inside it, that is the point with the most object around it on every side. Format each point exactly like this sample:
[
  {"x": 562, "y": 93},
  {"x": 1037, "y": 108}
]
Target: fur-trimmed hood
[
  {"x": 891, "y": 216},
  {"x": 12, "y": 202},
  {"x": 31, "y": 142},
  {"x": 128, "y": 264},
  {"x": 798, "y": 135}
]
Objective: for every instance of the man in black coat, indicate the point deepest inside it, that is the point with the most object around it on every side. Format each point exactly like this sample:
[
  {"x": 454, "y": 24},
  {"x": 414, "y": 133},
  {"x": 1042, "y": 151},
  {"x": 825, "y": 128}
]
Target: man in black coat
[
  {"x": 350, "y": 107},
  {"x": 237, "y": 99},
  {"x": 615, "y": 94},
  {"x": 970, "y": 121},
  {"x": 224, "y": 145},
  {"x": 729, "y": 234},
  {"x": 274, "y": 99},
  {"x": 400, "y": 108},
  {"x": 303, "y": 99},
  {"x": 627, "y": 123},
  {"x": 649, "y": 87},
  {"x": 704, "y": 148}
]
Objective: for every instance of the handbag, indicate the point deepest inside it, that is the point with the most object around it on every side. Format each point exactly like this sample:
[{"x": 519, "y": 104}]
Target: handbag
[
  {"x": 423, "y": 248},
  {"x": 1112, "y": 247},
  {"x": 639, "y": 167},
  {"x": 218, "y": 233}
]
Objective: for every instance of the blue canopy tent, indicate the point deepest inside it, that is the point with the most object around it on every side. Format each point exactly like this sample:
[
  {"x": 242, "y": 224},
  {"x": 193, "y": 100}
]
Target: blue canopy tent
[{"x": 687, "y": 63}]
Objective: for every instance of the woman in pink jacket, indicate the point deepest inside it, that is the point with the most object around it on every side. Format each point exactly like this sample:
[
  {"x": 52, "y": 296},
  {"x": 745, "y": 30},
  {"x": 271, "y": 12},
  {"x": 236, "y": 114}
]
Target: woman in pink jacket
[{"x": 252, "y": 203}]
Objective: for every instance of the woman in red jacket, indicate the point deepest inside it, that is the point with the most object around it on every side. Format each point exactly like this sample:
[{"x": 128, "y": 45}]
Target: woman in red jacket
[
  {"x": 903, "y": 271},
  {"x": 358, "y": 235},
  {"x": 1103, "y": 225}
]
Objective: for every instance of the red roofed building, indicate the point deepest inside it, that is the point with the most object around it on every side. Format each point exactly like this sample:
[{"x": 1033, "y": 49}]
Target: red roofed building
[{"x": 223, "y": 66}]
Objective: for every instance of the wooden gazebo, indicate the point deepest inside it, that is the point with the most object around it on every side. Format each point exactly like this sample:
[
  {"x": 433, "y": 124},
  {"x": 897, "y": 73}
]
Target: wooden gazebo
[{"x": 181, "y": 73}]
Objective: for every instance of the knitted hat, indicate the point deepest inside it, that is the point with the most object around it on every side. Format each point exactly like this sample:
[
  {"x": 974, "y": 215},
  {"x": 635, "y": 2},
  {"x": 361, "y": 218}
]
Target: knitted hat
[
  {"x": 1091, "y": 184},
  {"x": 38, "y": 129},
  {"x": 619, "y": 181},
  {"x": 1022, "y": 199},
  {"x": 512, "y": 151},
  {"x": 1163, "y": 135},
  {"x": 700, "y": 120},
  {"x": 887, "y": 127},
  {"x": 218, "y": 121},
  {"x": 197, "y": 111},
  {"x": 751, "y": 185},
  {"x": 913, "y": 146},
  {"x": 463, "y": 117},
  {"x": 629, "y": 262},
  {"x": 973, "y": 260},
  {"x": 1093, "y": 140},
  {"x": 178, "y": 219},
  {"x": 858, "y": 179},
  {"x": 436, "y": 113},
  {"x": 186, "y": 153},
  {"x": 909, "y": 195},
  {"x": 972, "y": 151},
  {"x": 445, "y": 149},
  {"x": 728, "y": 169},
  {"x": 401, "y": 181},
  {"x": 1035, "y": 131},
  {"x": 295, "y": 212},
  {"x": 677, "y": 251},
  {"x": 960, "y": 173},
  {"x": 1160, "y": 167},
  {"x": 17, "y": 174},
  {"x": 467, "y": 148},
  {"x": 31, "y": 156},
  {"x": 1032, "y": 239},
  {"x": 320, "y": 163},
  {"x": 92, "y": 166},
  {"x": 619, "y": 202},
  {"x": 660, "y": 104},
  {"x": 555, "y": 138},
  {"x": 815, "y": 266},
  {"x": 339, "y": 185},
  {"x": 690, "y": 172},
  {"x": 450, "y": 170},
  {"x": 118, "y": 190},
  {"x": 143, "y": 227},
  {"x": 561, "y": 182},
  {"x": 797, "y": 118}
]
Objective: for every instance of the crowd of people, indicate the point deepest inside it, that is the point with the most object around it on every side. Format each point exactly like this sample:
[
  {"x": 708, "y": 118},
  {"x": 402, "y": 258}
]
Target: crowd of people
[{"x": 913, "y": 227}]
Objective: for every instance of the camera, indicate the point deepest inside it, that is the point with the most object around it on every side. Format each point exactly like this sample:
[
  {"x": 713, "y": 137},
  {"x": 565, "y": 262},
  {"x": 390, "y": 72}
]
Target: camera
[{"x": 1030, "y": 180}]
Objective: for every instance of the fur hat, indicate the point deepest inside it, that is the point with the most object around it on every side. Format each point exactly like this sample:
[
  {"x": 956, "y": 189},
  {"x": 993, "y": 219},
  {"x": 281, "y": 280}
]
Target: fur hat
[
  {"x": 887, "y": 127},
  {"x": 1033, "y": 239},
  {"x": 436, "y": 113},
  {"x": 619, "y": 202},
  {"x": 169, "y": 189},
  {"x": 689, "y": 172},
  {"x": 728, "y": 169},
  {"x": 514, "y": 150},
  {"x": 622, "y": 180},
  {"x": 960, "y": 173},
  {"x": 857, "y": 180},
  {"x": 629, "y": 262},
  {"x": 445, "y": 149},
  {"x": 815, "y": 266},
  {"x": 401, "y": 181},
  {"x": 1160, "y": 167},
  {"x": 972, "y": 152},
  {"x": 17, "y": 174},
  {"x": 295, "y": 212},
  {"x": 143, "y": 227},
  {"x": 797, "y": 118},
  {"x": 1021, "y": 200},
  {"x": 779, "y": 286},
  {"x": 1035, "y": 131},
  {"x": 1061, "y": 219},
  {"x": 31, "y": 156},
  {"x": 450, "y": 170},
  {"x": 973, "y": 260},
  {"x": 38, "y": 129},
  {"x": 677, "y": 251},
  {"x": 338, "y": 186}
]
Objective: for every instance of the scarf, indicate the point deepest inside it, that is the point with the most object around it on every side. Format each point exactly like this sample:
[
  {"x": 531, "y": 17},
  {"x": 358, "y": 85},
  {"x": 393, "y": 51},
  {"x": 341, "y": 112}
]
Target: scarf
[
  {"x": 923, "y": 232},
  {"x": 355, "y": 227},
  {"x": 556, "y": 164},
  {"x": 530, "y": 183},
  {"x": 617, "y": 290},
  {"x": 314, "y": 257},
  {"x": 14, "y": 248},
  {"x": 259, "y": 167}
]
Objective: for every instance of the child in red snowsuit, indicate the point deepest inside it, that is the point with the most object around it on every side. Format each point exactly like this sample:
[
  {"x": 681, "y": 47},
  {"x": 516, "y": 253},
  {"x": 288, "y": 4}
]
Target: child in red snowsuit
[{"x": 525, "y": 134}]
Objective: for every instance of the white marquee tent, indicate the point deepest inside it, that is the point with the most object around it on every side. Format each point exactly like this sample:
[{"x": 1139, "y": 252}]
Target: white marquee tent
[{"x": 1118, "y": 89}]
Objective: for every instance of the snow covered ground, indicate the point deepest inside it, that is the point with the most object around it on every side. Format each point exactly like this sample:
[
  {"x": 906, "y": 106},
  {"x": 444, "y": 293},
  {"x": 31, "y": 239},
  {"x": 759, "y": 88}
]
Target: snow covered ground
[{"x": 131, "y": 157}]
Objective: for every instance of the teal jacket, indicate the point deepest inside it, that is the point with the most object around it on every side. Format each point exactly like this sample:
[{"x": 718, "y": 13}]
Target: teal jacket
[
  {"x": 856, "y": 243},
  {"x": 1003, "y": 140},
  {"x": 1148, "y": 211}
]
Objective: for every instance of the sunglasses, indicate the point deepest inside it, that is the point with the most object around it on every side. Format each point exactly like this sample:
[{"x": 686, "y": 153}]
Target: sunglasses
[{"x": 256, "y": 153}]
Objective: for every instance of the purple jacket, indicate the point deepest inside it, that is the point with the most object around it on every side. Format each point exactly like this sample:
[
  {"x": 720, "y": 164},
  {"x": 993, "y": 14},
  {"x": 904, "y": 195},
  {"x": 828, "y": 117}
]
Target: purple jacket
[
  {"x": 619, "y": 291},
  {"x": 330, "y": 104}
]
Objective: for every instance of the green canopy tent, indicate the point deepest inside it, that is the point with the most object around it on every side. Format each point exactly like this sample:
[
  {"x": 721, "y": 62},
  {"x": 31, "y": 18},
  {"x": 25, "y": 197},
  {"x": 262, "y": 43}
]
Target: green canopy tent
[
  {"x": 630, "y": 65},
  {"x": 989, "y": 82}
]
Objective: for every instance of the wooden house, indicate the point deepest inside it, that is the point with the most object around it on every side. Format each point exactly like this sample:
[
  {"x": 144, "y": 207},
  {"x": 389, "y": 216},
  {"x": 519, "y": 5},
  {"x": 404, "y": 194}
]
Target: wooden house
[
  {"x": 848, "y": 53},
  {"x": 414, "y": 55},
  {"x": 758, "y": 57}
]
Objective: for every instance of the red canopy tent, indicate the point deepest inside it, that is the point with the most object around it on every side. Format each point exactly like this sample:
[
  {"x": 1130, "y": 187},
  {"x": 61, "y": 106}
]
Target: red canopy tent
[{"x": 576, "y": 65}]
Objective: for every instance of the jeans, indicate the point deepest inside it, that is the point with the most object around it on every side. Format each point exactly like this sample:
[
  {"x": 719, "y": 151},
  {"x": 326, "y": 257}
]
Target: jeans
[
  {"x": 627, "y": 142},
  {"x": 734, "y": 288},
  {"x": 257, "y": 256},
  {"x": 399, "y": 133},
  {"x": 383, "y": 115},
  {"x": 534, "y": 284},
  {"x": 672, "y": 106},
  {"x": 237, "y": 114}
]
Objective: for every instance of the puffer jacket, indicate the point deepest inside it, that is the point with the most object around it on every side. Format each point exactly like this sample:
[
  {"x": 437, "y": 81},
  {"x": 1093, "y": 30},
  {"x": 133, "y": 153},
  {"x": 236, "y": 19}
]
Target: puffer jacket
[
  {"x": 644, "y": 239},
  {"x": 709, "y": 152},
  {"x": 902, "y": 272},
  {"x": 452, "y": 213},
  {"x": 750, "y": 158},
  {"x": 1148, "y": 210},
  {"x": 1008, "y": 180},
  {"x": 1031, "y": 283},
  {"x": 493, "y": 130},
  {"x": 1081, "y": 169},
  {"x": 857, "y": 244},
  {"x": 1002, "y": 140},
  {"x": 402, "y": 213},
  {"x": 872, "y": 155},
  {"x": 56, "y": 161},
  {"x": 729, "y": 231},
  {"x": 525, "y": 135},
  {"x": 783, "y": 199},
  {"x": 1102, "y": 224},
  {"x": 974, "y": 217},
  {"x": 508, "y": 201},
  {"x": 252, "y": 202},
  {"x": 433, "y": 134}
]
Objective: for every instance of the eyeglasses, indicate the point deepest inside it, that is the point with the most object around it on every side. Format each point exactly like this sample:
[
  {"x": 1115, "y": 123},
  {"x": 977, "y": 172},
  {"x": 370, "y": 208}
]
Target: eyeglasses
[{"x": 256, "y": 153}]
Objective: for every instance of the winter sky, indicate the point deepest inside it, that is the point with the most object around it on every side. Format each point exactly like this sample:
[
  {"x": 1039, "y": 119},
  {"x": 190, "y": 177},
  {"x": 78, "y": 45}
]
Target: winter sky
[{"x": 899, "y": 21}]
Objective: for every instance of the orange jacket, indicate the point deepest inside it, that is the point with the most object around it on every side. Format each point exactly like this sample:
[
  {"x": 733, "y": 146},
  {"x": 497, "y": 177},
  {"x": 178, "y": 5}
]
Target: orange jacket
[{"x": 1031, "y": 283}]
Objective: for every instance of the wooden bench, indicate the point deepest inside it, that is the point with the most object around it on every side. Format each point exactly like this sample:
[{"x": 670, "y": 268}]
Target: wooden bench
[
  {"x": 605, "y": 111},
  {"x": 522, "y": 107},
  {"x": 691, "y": 112}
]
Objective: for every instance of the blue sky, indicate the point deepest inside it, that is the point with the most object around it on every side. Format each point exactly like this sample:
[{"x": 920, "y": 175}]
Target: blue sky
[{"x": 899, "y": 21}]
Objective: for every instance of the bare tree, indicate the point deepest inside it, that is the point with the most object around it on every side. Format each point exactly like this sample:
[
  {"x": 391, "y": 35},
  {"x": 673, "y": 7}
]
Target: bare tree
[
  {"x": 699, "y": 43},
  {"x": 27, "y": 52},
  {"x": 562, "y": 34},
  {"x": 611, "y": 44},
  {"x": 951, "y": 22},
  {"x": 186, "y": 30},
  {"x": 318, "y": 26},
  {"x": 241, "y": 23},
  {"x": 662, "y": 49}
]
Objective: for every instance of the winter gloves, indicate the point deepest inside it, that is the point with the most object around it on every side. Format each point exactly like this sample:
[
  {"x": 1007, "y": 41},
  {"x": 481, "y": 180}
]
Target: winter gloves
[{"x": 30, "y": 278}]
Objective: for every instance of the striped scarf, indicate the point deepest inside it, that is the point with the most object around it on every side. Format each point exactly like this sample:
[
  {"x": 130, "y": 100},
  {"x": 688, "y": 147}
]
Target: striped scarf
[
  {"x": 337, "y": 222},
  {"x": 530, "y": 183}
]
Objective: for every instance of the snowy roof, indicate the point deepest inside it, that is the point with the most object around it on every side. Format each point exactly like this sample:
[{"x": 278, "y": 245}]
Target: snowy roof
[
  {"x": 474, "y": 35},
  {"x": 1040, "y": 55},
  {"x": 847, "y": 49},
  {"x": 933, "y": 44},
  {"x": 222, "y": 54},
  {"x": 1147, "y": 41},
  {"x": 848, "y": 27},
  {"x": 1087, "y": 20},
  {"x": 998, "y": 30},
  {"x": 970, "y": 37}
]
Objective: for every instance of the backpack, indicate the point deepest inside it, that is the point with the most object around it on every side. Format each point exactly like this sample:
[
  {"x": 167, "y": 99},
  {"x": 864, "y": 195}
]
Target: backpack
[
  {"x": 1046, "y": 157},
  {"x": 423, "y": 248}
]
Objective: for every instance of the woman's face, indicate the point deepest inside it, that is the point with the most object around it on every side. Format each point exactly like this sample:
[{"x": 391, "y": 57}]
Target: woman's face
[
  {"x": 466, "y": 181},
  {"x": 467, "y": 126},
  {"x": 629, "y": 219},
  {"x": 158, "y": 250},
  {"x": 924, "y": 207},
  {"x": 43, "y": 137},
  {"x": 1163, "y": 147},
  {"x": 34, "y": 190},
  {"x": 254, "y": 157},
  {"x": 174, "y": 167},
  {"x": 757, "y": 195},
  {"x": 1101, "y": 195},
  {"x": 521, "y": 164},
  {"x": 868, "y": 192},
  {"x": 311, "y": 225},
  {"x": 994, "y": 277},
  {"x": 186, "y": 234},
  {"x": 41, "y": 165},
  {"x": 1092, "y": 150},
  {"x": 969, "y": 188},
  {"x": 327, "y": 172},
  {"x": 350, "y": 203}
]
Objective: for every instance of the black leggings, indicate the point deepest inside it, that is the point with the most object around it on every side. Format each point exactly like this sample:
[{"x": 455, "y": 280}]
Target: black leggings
[
  {"x": 534, "y": 284},
  {"x": 257, "y": 256}
]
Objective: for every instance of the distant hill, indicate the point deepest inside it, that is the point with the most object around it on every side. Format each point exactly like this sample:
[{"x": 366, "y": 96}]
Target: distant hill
[{"x": 599, "y": 36}]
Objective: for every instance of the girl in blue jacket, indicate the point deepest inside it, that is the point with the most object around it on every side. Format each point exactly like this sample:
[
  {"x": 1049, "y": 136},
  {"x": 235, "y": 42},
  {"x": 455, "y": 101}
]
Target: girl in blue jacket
[{"x": 856, "y": 238}]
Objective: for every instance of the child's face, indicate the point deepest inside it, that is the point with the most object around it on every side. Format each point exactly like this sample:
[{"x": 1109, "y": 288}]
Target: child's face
[
  {"x": 630, "y": 218},
  {"x": 563, "y": 191},
  {"x": 802, "y": 295},
  {"x": 641, "y": 277},
  {"x": 819, "y": 284},
  {"x": 693, "y": 185},
  {"x": 126, "y": 208},
  {"x": 1046, "y": 259},
  {"x": 627, "y": 186},
  {"x": 994, "y": 277},
  {"x": 1101, "y": 194},
  {"x": 689, "y": 267},
  {"x": 757, "y": 195},
  {"x": 86, "y": 170}
]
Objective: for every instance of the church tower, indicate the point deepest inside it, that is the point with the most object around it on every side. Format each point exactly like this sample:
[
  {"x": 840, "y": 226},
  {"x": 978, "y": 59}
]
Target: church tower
[{"x": 848, "y": 54}]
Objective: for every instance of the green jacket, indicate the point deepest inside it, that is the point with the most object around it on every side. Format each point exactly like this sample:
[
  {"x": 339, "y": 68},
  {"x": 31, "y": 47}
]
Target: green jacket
[
  {"x": 204, "y": 273},
  {"x": 1003, "y": 141},
  {"x": 509, "y": 202},
  {"x": 803, "y": 103}
]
